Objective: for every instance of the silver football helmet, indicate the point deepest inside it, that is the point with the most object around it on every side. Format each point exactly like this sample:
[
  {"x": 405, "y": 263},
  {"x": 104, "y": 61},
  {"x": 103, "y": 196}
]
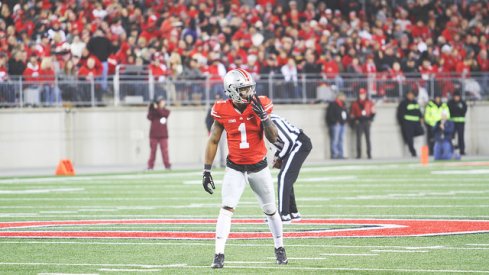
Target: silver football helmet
[{"x": 239, "y": 85}]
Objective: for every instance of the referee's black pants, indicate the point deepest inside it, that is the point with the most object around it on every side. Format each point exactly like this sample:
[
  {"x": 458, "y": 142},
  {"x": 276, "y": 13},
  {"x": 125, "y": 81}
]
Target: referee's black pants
[
  {"x": 459, "y": 131},
  {"x": 289, "y": 171}
]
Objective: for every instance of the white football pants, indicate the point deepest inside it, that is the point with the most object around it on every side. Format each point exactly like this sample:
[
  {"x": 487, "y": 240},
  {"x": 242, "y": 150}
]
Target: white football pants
[{"x": 261, "y": 183}]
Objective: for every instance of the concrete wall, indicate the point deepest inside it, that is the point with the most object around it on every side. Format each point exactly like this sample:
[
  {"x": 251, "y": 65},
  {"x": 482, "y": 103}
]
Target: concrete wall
[{"x": 119, "y": 136}]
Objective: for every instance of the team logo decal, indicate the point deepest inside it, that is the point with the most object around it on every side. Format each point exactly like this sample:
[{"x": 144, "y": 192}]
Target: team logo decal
[{"x": 361, "y": 228}]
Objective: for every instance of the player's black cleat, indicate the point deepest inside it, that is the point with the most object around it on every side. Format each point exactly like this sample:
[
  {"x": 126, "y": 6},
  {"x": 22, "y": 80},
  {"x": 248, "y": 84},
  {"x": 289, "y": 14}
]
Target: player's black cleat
[
  {"x": 286, "y": 219},
  {"x": 218, "y": 261},
  {"x": 296, "y": 217},
  {"x": 280, "y": 255}
]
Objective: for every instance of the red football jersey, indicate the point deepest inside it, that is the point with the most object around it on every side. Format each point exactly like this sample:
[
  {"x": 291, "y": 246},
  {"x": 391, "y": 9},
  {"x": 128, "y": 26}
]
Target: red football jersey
[{"x": 244, "y": 133}]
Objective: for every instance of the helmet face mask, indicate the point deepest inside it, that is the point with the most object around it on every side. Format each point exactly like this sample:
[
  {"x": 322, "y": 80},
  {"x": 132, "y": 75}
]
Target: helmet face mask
[
  {"x": 246, "y": 92},
  {"x": 239, "y": 86}
]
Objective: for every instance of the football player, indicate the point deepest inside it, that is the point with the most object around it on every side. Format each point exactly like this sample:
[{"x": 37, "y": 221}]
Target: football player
[{"x": 245, "y": 117}]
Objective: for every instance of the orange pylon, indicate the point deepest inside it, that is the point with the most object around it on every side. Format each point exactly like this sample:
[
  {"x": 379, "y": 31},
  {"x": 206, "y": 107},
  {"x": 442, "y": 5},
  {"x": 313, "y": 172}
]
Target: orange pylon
[
  {"x": 65, "y": 168},
  {"x": 425, "y": 155}
]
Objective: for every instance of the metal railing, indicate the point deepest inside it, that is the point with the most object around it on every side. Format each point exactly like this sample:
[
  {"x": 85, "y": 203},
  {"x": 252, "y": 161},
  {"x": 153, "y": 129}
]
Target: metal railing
[{"x": 140, "y": 88}]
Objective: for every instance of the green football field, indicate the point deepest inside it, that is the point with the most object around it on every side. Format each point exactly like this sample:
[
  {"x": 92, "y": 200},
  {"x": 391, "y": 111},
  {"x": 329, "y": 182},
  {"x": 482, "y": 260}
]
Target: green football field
[{"x": 118, "y": 223}]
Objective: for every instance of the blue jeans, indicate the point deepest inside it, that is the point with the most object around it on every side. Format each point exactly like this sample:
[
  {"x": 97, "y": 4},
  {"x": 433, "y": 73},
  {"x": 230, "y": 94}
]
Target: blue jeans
[
  {"x": 51, "y": 94},
  {"x": 442, "y": 150},
  {"x": 336, "y": 140},
  {"x": 105, "y": 74}
]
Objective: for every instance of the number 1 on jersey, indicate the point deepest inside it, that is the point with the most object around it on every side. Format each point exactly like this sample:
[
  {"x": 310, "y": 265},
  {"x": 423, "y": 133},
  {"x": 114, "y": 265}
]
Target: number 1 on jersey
[{"x": 244, "y": 142}]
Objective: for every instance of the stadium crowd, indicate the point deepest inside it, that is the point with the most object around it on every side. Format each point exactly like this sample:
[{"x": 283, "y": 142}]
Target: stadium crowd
[{"x": 328, "y": 40}]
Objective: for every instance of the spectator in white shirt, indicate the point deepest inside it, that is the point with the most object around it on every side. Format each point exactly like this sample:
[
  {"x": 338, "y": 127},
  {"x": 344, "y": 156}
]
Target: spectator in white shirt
[{"x": 291, "y": 87}]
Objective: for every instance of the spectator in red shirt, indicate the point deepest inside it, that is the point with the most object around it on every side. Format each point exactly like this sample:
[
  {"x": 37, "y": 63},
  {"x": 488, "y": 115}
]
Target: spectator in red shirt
[
  {"x": 216, "y": 72},
  {"x": 347, "y": 58},
  {"x": 3, "y": 68},
  {"x": 427, "y": 70},
  {"x": 371, "y": 70},
  {"x": 463, "y": 67},
  {"x": 420, "y": 30},
  {"x": 89, "y": 71},
  {"x": 159, "y": 72},
  {"x": 448, "y": 61},
  {"x": 31, "y": 82},
  {"x": 396, "y": 73},
  {"x": 331, "y": 71},
  {"x": 87, "y": 74},
  {"x": 31, "y": 72}
]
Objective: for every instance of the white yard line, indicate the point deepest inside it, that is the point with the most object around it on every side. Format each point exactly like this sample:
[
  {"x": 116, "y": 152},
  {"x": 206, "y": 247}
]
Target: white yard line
[
  {"x": 316, "y": 179},
  {"x": 40, "y": 191},
  {"x": 195, "y": 174},
  {"x": 115, "y": 180},
  {"x": 101, "y": 265},
  {"x": 305, "y": 259},
  {"x": 128, "y": 270},
  {"x": 397, "y": 196},
  {"x": 445, "y": 271},
  {"x": 196, "y": 205},
  {"x": 246, "y": 262},
  {"x": 332, "y": 178},
  {"x": 348, "y": 254},
  {"x": 58, "y": 212},
  {"x": 18, "y": 215},
  {"x": 150, "y": 228},
  {"x": 67, "y": 274},
  {"x": 265, "y": 267},
  {"x": 348, "y": 168},
  {"x": 421, "y": 181},
  {"x": 331, "y": 216},
  {"x": 462, "y": 172},
  {"x": 398, "y": 251}
]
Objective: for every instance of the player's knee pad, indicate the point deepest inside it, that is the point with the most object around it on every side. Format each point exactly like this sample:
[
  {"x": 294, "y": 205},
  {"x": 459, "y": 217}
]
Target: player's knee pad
[
  {"x": 226, "y": 211},
  {"x": 269, "y": 209}
]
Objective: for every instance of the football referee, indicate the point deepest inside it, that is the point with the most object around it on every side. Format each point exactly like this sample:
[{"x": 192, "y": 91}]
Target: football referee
[{"x": 293, "y": 147}]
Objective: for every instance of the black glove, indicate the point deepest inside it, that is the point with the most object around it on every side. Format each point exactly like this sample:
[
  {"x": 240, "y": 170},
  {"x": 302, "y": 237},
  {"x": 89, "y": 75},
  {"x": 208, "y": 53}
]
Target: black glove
[
  {"x": 206, "y": 181},
  {"x": 258, "y": 108}
]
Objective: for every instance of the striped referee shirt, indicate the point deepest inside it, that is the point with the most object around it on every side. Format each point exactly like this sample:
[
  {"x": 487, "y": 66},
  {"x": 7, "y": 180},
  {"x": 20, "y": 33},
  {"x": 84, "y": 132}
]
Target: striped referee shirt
[{"x": 287, "y": 135}]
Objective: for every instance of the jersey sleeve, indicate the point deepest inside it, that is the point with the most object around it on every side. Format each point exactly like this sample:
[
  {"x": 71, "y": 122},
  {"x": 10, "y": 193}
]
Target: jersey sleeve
[
  {"x": 215, "y": 113},
  {"x": 267, "y": 104}
]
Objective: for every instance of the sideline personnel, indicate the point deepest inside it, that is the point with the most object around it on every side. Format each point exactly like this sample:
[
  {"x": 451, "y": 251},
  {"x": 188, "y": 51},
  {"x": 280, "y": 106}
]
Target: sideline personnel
[
  {"x": 458, "y": 109},
  {"x": 362, "y": 112},
  {"x": 409, "y": 117},
  {"x": 432, "y": 115}
]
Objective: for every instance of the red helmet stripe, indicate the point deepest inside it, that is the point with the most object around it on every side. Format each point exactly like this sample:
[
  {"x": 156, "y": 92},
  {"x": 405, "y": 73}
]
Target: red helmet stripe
[{"x": 244, "y": 73}]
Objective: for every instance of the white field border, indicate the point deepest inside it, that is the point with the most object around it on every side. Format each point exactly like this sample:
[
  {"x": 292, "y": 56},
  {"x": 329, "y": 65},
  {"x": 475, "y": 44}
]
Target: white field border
[
  {"x": 284, "y": 268},
  {"x": 211, "y": 243}
]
